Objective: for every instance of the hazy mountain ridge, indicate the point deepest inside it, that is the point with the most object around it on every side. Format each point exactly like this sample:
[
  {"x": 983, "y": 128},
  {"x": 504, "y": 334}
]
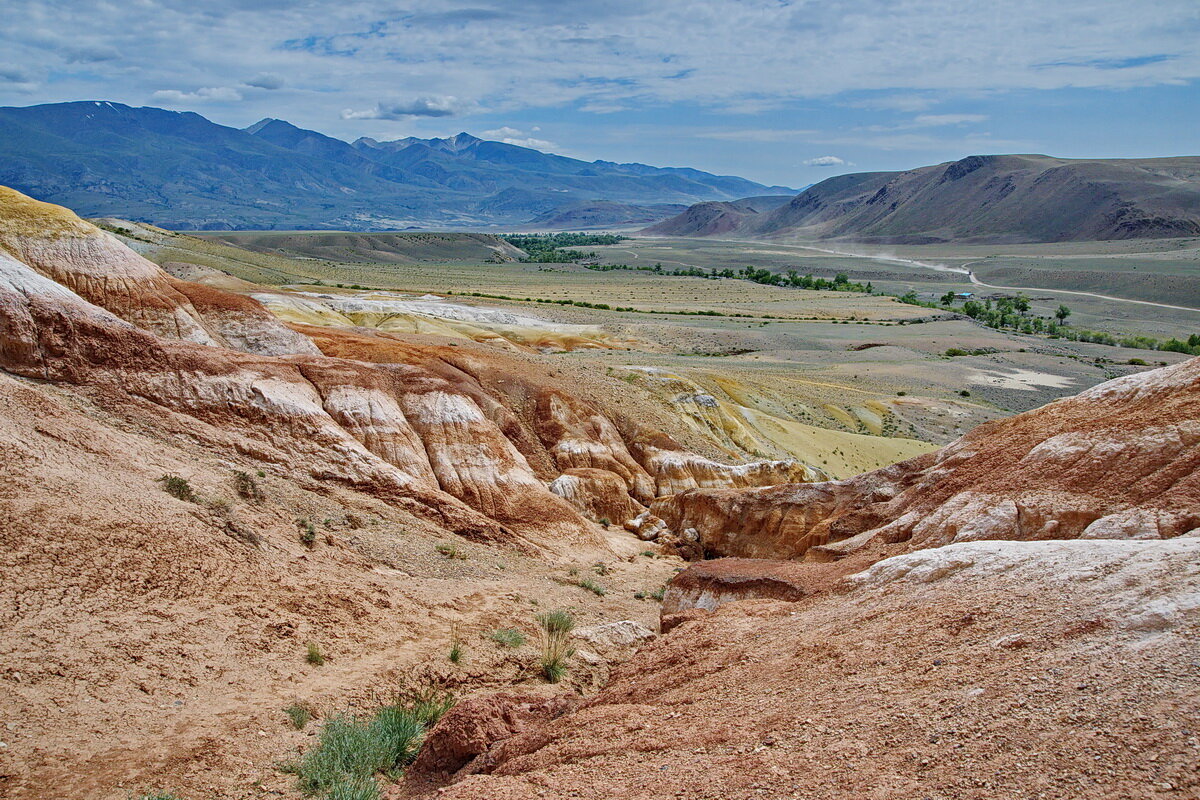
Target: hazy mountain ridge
[
  {"x": 998, "y": 198},
  {"x": 180, "y": 170}
]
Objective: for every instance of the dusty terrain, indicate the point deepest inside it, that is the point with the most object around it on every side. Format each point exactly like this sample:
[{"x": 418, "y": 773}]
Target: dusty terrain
[{"x": 382, "y": 473}]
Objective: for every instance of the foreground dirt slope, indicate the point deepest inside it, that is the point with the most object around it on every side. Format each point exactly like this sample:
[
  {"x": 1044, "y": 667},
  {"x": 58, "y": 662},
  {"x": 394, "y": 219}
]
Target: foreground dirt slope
[
  {"x": 150, "y": 640},
  {"x": 983, "y": 670},
  {"x": 1120, "y": 460}
]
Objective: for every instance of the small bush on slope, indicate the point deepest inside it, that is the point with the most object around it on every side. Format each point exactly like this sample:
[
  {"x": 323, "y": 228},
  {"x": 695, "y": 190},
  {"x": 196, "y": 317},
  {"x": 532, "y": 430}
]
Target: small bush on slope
[
  {"x": 556, "y": 643},
  {"x": 351, "y": 750}
]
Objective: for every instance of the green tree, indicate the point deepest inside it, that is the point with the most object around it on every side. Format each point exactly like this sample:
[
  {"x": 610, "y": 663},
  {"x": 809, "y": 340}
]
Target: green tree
[
  {"x": 1062, "y": 313},
  {"x": 948, "y": 299}
]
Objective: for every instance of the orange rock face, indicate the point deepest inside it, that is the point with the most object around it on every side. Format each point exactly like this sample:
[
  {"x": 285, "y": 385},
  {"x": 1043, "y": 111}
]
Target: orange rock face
[{"x": 1121, "y": 460}]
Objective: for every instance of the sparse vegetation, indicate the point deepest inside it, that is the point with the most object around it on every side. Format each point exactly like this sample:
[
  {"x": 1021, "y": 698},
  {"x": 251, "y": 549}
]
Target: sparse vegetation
[
  {"x": 299, "y": 714},
  {"x": 556, "y": 629},
  {"x": 247, "y": 487},
  {"x": 308, "y": 532},
  {"x": 178, "y": 487},
  {"x": 600, "y": 568},
  {"x": 352, "y": 751},
  {"x": 315, "y": 656},
  {"x": 593, "y": 587},
  {"x": 451, "y": 551},
  {"x": 659, "y": 593},
  {"x": 157, "y": 795},
  {"x": 509, "y": 637},
  {"x": 456, "y": 647}
]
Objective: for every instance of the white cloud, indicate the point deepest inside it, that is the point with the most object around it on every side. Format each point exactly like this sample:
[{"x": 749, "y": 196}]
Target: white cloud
[
  {"x": 430, "y": 106},
  {"x": 826, "y": 161},
  {"x": 212, "y": 94},
  {"x": 266, "y": 80},
  {"x": 934, "y": 120},
  {"x": 518, "y": 137}
]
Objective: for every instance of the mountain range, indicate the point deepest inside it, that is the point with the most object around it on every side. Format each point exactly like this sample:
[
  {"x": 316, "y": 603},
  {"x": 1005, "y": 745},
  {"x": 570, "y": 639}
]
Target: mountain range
[
  {"x": 993, "y": 198},
  {"x": 181, "y": 170}
]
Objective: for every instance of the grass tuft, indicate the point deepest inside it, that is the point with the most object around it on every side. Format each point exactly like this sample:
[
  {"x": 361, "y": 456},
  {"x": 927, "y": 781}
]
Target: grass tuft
[
  {"x": 451, "y": 551},
  {"x": 315, "y": 656},
  {"x": 299, "y": 714},
  {"x": 509, "y": 637},
  {"x": 351, "y": 751},
  {"x": 556, "y": 643},
  {"x": 592, "y": 587}
]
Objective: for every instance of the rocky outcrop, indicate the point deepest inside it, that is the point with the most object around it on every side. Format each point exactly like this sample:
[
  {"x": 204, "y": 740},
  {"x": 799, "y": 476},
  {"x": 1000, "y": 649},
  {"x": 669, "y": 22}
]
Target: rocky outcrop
[
  {"x": 710, "y": 584},
  {"x": 983, "y": 669},
  {"x": 467, "y": 440},
  {"x": 463, "y": 741},
  {"x": 1121, "y": 460},
  {"x": 601, "y": 495},
  {"x": 98, "y": 268}
]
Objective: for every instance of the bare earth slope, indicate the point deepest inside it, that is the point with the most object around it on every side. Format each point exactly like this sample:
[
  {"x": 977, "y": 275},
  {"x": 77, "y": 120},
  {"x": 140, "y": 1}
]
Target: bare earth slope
[
  {"x": 153, "y": 639},
  {"x": 978, "y": 671},
  {"x": 936, "y": 657},
  {"x": 999, "y": 198}
]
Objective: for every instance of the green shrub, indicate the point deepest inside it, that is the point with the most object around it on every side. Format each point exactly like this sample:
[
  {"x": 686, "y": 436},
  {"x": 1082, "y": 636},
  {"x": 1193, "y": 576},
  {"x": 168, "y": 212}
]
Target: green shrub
[
  {"x": 351, "y": 751},
  {"x": 247, "y": 487},
  {"x": 178, "y": 488},
  {"x": 509, "y": 637},
  {"x": 315, "y": 656},
  {"x": 451, "y": 551},
  {"x": 601, "y": 568},
  {"x": 308, "y": 532},
  {"x": 965, "y": 393},
  {"x": 299, "y": 714},
  {"x": 659, "y": 593},
  {"x": 157, "y": 795},
  {"x": 556, "y": 643},
  {"x": 593, "y": 587}
]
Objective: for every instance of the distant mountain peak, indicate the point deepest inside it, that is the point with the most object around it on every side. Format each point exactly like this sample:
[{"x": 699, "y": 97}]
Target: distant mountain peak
[{"x": 273, "y": 174}]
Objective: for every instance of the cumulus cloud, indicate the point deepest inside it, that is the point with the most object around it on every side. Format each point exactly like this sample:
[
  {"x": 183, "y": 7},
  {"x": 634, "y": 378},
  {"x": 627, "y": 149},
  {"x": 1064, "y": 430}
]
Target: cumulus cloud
[
  {"x": 266, "y": 80},
  {"x": 430, "y": 106},
  {"x": 210, "y": 94},
  {"x": 518, "y": 137},
  {"x": 826, "y": 161}
]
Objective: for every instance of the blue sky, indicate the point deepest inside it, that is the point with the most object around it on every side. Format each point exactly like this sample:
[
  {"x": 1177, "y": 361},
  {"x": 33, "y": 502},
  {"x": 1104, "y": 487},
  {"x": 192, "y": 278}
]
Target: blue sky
[{"x": 780, "y": 91}]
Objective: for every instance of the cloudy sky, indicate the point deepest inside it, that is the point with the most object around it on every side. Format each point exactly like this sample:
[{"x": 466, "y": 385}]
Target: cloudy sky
[{"x": 781, "y": 91}]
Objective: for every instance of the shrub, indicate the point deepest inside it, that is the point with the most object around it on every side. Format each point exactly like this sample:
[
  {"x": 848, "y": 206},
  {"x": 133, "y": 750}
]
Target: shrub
[
  {"x": 965, "y": 393},
  {"x": 315, "y": 656},
  {"x": 605, "y": 521},
  {"x": 178, "y": 488},
  {"x": 509, "y": 637},
  {"x": 451, "y": 551},
  {"x": 157, "y": 795},
  {"x": 351, "y": 751},
  {"x": 299, "y": 714},
  {"x": 593, "y": 587},
  {"x": 456, "y": 648},
  {"x": 659, "y": 593},
  {"x": 556, "y": 643},
  {"x": 1137, "y": 362},
  {"x": 601, "y": 568},
  {"x": 246, "y": 487},
  {"x": 308, "y": 532}
]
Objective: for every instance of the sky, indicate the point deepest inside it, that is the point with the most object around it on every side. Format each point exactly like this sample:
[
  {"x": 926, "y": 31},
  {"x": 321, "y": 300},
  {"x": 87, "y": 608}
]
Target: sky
[{"x": 783, "y": 92}]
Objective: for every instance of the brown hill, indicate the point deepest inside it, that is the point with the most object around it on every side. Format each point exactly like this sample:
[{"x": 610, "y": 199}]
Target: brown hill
[
  {"x": 716, "y": 218},
  {"x": 999, "y": 198},
  {"x": 152, "y": 637},
  {"x": 936, "y": 657}
]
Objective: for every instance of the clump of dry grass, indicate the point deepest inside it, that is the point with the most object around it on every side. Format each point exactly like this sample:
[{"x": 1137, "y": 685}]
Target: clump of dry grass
[{"x": 556, "y": 629}]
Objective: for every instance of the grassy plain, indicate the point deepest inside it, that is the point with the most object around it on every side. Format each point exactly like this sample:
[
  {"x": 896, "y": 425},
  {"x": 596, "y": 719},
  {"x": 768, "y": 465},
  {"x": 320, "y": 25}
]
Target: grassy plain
[{"x": 843, "y": 380}]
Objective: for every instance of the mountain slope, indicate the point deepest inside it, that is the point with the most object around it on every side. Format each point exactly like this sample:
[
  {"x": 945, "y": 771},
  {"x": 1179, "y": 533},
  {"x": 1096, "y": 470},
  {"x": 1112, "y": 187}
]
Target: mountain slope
[
  {"x": 1001, "y": 198},
  {"x": 180, "y": 170}
]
